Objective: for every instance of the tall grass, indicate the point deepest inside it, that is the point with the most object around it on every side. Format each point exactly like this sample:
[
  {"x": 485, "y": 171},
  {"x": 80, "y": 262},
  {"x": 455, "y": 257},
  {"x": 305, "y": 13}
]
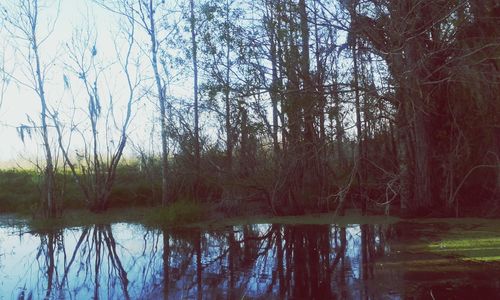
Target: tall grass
[
  {"x": 19, "y": 190},
  {"x": 134, "y": 186},
  {"x": 178, "y": 213}
]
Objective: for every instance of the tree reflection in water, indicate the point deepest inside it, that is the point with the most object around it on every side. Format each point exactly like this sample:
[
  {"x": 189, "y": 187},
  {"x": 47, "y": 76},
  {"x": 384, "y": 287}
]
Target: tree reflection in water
[
  {"x": 92, "y": 268},
  {"x": 270, "y": 261},
  {"x": 262, "y": 261}
]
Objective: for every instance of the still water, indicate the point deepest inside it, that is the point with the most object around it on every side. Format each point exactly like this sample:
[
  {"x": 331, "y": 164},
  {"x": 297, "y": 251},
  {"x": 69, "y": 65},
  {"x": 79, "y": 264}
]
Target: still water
[{"x": 261, "y": 261}]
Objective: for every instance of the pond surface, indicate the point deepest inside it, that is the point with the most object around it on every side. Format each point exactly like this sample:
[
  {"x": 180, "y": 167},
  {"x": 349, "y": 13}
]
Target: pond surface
[{"x": 262, "y": 261}]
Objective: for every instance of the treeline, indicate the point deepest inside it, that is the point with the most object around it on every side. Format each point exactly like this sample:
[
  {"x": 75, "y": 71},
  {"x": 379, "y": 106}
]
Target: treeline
[{"x": 305, "y": 105}]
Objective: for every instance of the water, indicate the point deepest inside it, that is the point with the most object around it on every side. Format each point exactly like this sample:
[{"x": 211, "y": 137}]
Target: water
[{"x": 261, "y": 261}]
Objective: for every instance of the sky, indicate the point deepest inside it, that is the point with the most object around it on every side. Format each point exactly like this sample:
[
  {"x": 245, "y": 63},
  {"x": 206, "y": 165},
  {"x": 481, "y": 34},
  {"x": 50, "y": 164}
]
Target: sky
[
  {"x": 69, "y": 18},
  {"x": 20, "y": 103}
]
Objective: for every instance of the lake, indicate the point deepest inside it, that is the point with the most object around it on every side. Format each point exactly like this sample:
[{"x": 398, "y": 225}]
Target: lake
[{"x": 260, "y": 261}]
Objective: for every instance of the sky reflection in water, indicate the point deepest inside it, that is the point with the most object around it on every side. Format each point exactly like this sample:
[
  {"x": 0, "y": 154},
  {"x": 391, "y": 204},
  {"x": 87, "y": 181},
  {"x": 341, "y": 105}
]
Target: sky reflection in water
[{"x": 125, "y": 261}]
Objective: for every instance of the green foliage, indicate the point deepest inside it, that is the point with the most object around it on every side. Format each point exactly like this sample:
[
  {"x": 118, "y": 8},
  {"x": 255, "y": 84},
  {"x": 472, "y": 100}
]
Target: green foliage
[
  {"x": 352, "y": 217},
  {"x": 179, "y": 213},
  {"x": 83, "y": 217},
  {"x": 470, "y": 239},
  {"x": 72, "y": 197},
  {"x": 18, "y": 191},
  {"x": 134, "y": 187}
]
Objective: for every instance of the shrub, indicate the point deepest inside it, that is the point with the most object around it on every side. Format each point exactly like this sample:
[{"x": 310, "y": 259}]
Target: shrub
[{"x": 178, "y": 213}]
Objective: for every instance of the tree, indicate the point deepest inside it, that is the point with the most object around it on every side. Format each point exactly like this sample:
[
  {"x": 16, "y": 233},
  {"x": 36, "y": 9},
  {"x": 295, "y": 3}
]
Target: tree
[
  {"x": 95, "y": 168},
  {"x": 4, "y": 77},
  {"x": 290, "y": 41},
  {"x": 218, "y": 50},
  {"x": 421, "y": 42},
  {"x": 23, "y": 22},
  {"x": 152, "y": 18},
  {"x": 194, "y": 54}
]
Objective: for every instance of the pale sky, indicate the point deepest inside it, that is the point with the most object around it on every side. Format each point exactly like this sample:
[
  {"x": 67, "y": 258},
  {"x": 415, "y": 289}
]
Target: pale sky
[{"x": 20, "y": 102}]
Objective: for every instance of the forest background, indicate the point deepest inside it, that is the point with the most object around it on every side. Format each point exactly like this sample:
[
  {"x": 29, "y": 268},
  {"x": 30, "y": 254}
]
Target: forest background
[{"x": 271, "y": 105}]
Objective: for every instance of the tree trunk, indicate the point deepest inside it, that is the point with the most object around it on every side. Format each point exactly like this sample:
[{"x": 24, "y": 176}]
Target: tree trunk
[
  {"x": 166, "y": 262},
  {"x": 245, "y": 159},
  {"x": 199, "y": 266},
  {"x": 49, "y": 178},
  {"x": 274, "y": 88},
  {"x": 359, "y": 159},
  {"x": 195, "y": 89},
  {"x": 160, "y": 89},
  {"x": 422, "y": 196},
  {"x": 403, "y": 161},
  {"x": 307, "y": 97},
  {"x": 339, "y": 131},
  {"x": 197, "y": 151},
  {"x": 227, "y": 102}
]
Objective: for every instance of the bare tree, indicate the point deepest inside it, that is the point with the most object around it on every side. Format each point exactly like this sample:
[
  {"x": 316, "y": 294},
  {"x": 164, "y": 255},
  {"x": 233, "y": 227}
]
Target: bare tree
[
  {"x": 4, "y": 76},
  {"x": 23, "y": 21},
  {"x": 194, "y": 45},
  {"x": 95, "y": 169},
  {"x": 151, "y": 16}
]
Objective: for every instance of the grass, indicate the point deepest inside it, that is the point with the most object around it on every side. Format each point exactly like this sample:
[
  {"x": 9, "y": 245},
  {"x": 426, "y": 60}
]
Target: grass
[
  {"x": 179, "y": 213},
  {"x": 130, "y": 201},
  {"x": 351, "y": 217},
  {"x": 83, "y": 217},
  {"x": 182, "y": 213},
  {"x": 471, "y": 240},
  {"x": 464, "y": 239},
  {"x": 18, "y": 191}
]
